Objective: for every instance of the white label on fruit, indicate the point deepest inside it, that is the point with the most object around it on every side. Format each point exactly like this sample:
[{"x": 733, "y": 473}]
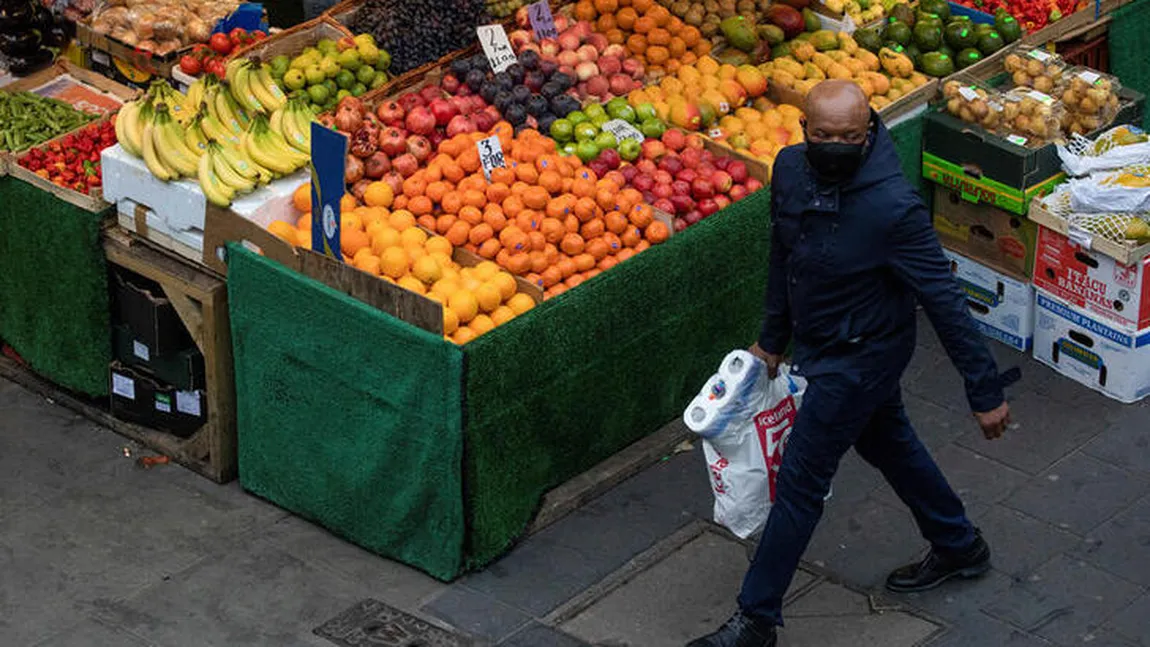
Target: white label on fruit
[
  {"x": 968, "y": 93},
  {"x": 140, "y": 350},
  {"x": 1016, "y": 139},
  {"x": 1090, "y": 77},
  {"x": 496, "y": 47},
  {"x": 623, "y": 130},
  {"x": 188, "y": 402},
  {"x": 163, "y": 403},
  {"x": 123, "y": 386},
  {"x": 542, "y": 22},
  {"x": 1040, "y": 97},
  {"x": 1040, "y": 55},
  {"x": 490, "y": 155},
  {"x": 715, "y": 133},
  {"x": 724, "y": 107}
]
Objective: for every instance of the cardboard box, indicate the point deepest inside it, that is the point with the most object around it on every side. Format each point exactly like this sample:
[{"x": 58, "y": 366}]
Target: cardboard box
[
  {"x": 132, "y": 394},
  {"x": 1092, "y": 280},
  {"x": 987, "y": 168},
  {"x": 183, "y": 369},
  {"x": 1126, "y": 252},
  {"x": 141, "y": 399},
  {"x": 1091, "y": 350},
  {"x": 179, "y": 412},
  {"x": 150, "y": 316},
  {"x": 989, "y": 235},
  {"x": 1002, "y": 306},
  {"x": 126, "y": 64}
]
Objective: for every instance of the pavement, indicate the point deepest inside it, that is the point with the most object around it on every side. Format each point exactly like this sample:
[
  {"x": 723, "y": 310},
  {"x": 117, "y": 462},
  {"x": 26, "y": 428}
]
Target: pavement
[{"x": 95, "y": 551}]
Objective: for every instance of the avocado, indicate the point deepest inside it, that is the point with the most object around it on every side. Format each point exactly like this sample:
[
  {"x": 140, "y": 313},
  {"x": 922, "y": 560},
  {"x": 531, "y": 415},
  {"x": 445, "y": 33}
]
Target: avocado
[
  {"x": 940, "y": 8},
  {"x": 894, "y": 47},
  {"x": 734, "y": 57},
  {"x": 960, "y": 35},
  {"x": 811, "y": 20},
  {"x": 781, "y": 50},
  {"x": 899, "y": 32},
  {"x": 928, "y": 19},
  {"x": 937, "y": 64},
  {"x": 990, "y": 42},
  {"x": 946, "y": 49},
  {"x": 927, "y": 36},
  {"x": 903, "y": 13},
  {"x": 824, "y": 40},
  {"x": 1007, "y": 26},
  {"x": 983, "y": 28},
  {"x": 914, "y": 53},
  {"x": 771, "y": 33},
  {"x": 869, "y": 39},
  {"x": 739, "y": 33},
  {"x": 967, "y": 57}
]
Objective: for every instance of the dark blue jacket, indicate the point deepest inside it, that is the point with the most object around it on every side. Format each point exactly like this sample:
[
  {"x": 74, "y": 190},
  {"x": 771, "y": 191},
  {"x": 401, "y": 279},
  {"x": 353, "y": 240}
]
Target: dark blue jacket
[{"x": 848, "y": 262}]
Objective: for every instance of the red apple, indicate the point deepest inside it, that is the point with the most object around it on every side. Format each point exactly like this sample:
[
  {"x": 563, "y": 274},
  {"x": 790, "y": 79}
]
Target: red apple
[
  {"x": 691, "y": 157},
  {"x": 616, "y": 177},
  {"x": 693, "y": 216},
  {"x": 687, "y": 175},
  {"x": 722, "y": 181},
  {"x": 722, "y": 162},
  {"x": 671, "y": 164},
  {"x": 723, "y": 201},
  {"x": 664, "y": 204},
  {"x": 707, "y": 206},
  {"x": 738, "y": 192},
  {"x": 420, "y": 121},
  {"x": 662, "y": 190},
  {"x": 393, "y": 142},
  {"x": 663, "y": 177},
  {"x": 598, "y": 167},
  {"x": 646, "y": 167},
  {"x": 695, "y": 140},
  {"x": 681, "y": 187},
  {"x": 419, "y": 146},
  {"x": 683, "y": 203},
  {"x": 675, "y": 139},
  {"x": 599, "y": 86},
  {"x": 611, "y": 157},
  {"x": 391, "y": 113},
  {"x": 648, "y": 197},
  {"x": 738, "y": 171},
  {"x": 680, "y": 225},
  {"x": 706, "y": 169},
  {"x": 443, "y": 111},
  {"x": 701, "y": 188},
  {"x": 406, "y": 165},
  {"x": 643, "y": 182},
  {"x": 629, "y": 172},
  {"x": 621, "y": 84},
  {"x": 753, "y": 185},
  {"x": 653, "y": 149}
]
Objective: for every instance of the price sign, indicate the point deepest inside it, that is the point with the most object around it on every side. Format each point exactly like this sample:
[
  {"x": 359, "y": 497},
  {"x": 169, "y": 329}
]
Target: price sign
[
  {"x": 1090, "y": 77},
  {"x": 623, "y": 130},
  {"x": 968, "y": 93},
  {"x": 1018, "y": 140},
  {"x": 541, "y": 20},
  {"x": 496, "y": 47},
  {"x": 490, "y": 155},
  {"x": 1040, "y": 97},
  {"x": 328, "y": 157}
]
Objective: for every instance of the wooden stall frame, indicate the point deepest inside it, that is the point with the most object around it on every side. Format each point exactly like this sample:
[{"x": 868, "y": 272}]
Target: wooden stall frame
[{"x": 200, "y": 300}]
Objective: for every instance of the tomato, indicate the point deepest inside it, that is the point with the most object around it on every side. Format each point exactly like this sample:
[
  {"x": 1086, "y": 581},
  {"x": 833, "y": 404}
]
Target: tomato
[
  {"x": 258, "y": 35},
  {"x": 220, "y": 44},
  {"x": 238, "y": 36},
  {"x": 189, "y": 65},
  {"x": 216, "y": 66}
]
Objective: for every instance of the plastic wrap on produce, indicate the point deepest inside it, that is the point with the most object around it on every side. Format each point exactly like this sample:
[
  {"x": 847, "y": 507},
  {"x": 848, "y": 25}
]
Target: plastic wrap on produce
[
  {"x": 1114, "y": 149},
  {"x": 1123, "y": 190}
]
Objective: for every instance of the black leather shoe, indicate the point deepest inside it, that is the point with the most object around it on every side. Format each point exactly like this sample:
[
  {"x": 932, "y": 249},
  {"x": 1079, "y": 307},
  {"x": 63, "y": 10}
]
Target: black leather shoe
[
  {"x": 940, "y": 567},
  {"x": 739, "y": 631}
]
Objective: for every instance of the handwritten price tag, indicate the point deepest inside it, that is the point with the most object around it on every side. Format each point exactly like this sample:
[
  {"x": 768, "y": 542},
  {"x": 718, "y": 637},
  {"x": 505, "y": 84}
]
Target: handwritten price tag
[
  {"x": 541, "y": 20},
  {"x": 490, "y": 155},
  {"x": 623, "y": 130},
  {"x": 496, "y": 47}
]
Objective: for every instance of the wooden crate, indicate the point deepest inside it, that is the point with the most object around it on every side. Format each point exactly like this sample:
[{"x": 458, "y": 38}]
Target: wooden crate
[
  {"x": 1127, "y": 252},
  {"x": 200, "y": 299}
]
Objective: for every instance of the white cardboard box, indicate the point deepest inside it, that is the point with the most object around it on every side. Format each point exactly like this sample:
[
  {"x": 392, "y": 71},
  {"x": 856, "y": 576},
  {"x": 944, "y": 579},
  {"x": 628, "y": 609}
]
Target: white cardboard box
[
  {"x": 1002, "y": 306},
  {"x": 1091, "y": 349}
]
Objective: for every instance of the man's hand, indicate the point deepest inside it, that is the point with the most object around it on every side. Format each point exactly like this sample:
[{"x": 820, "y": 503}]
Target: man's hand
[
  {"x": 771, "y": 359},
  {"x": 994, "y": 422}
]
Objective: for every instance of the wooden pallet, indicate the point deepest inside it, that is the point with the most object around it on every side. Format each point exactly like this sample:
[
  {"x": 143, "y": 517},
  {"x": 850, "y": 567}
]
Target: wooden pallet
[{"x": 200, "y": 299}]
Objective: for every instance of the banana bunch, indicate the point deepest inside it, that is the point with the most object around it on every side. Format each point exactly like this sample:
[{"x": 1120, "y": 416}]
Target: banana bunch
[
  {"x": 165, "y": 151},
  {"x": 269, "y": 149},
  {"x": 162, "y": 92},
  {"x": 253, "y": 87},
  {"x": 224, "y": 172},
  {"x": 130, "y": 125},
  {"x": 293, "y": 121}
]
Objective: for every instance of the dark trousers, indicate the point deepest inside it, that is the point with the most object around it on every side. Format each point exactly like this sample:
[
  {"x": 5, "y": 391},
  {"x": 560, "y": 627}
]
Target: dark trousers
[{"x": 838, "y": 412}]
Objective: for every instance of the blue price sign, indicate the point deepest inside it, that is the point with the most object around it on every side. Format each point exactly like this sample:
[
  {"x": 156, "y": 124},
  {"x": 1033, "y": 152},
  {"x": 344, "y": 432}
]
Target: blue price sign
[
  {"x": 328, "y": 156},
  {"x": 541, "y": 20}
]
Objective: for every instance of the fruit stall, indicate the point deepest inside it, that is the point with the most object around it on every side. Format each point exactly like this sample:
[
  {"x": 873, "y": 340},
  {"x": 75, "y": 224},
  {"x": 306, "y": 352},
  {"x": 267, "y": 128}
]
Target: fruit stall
[{"x": 552, "y": 222}]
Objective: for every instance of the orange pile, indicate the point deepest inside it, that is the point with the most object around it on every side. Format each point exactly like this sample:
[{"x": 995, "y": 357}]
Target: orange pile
[
  {"x": 648, "y": 30},
  {"x": 544, "y": 217},
  {"x": 386, "y": 242}
]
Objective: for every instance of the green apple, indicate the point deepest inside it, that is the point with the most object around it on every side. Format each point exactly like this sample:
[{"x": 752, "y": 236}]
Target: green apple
[
  {"x": 630, "y": 149},
  {"x": 605, "y": 140},
  {"x": 645, "y": 111},
  {"x": 595, "y": 110},
  {"x": 384, "y": 61},
  {"x": 314, "y": 74},
  {"x": 586, "y": 150},
  {"x": 332, "y": 88},
  {"x": 622, "y": 111},
  {"x": 562, "y": 130},
  {"x": 379, "y": 79},
  {"x": 294, "y": 79},
  {"x": 585, "y": 131},
  {"x": 653, "y": 128},
  {"x": 577, "y": 117},
  {"x": 616, "y": 103},
  {"x": 600, "y": 120},
  {"x": 569, "y": 148},
  {"x": 279, "y": 65}
]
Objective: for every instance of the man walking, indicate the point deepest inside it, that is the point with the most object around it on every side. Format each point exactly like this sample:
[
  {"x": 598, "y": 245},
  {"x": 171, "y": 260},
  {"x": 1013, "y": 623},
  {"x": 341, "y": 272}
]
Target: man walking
[{"x": 852, "y": 248}]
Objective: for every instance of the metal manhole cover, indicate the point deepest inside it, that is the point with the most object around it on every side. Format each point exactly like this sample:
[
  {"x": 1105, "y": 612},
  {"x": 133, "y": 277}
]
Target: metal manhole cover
[{"x": 371, "y": 623}]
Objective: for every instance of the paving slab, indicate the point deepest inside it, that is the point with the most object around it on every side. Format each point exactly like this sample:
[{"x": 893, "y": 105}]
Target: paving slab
[
  {"x": 1133, "y": 622},
  {"x": 34, "y": 597},
  {"x": 1125, "y": 442},
  {"x": 959, "y": 602},
  {"x": 828, "y": 599},
  {"x": 89, "y": 633},
  {"x": 980, "y": 630},
  {"x": 890, "y": 629},
  {"x": 1018, "y": 542},
  {"x": 476, "y": 613},
  {"x": 862, "y": 542},
  {"x": 254, "y": 596},
  {"x": 1122, "y": 545},
  {"x": 540, "y": 635},
  {"x": 1078, "y": 493},
  {"x": 974, "y": 477},
  {"x": 1064, "y": 601}
]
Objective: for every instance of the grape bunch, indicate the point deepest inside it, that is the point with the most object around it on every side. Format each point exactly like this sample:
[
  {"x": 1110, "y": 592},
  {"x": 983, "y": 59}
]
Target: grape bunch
[{"x": 420, "y": 32}]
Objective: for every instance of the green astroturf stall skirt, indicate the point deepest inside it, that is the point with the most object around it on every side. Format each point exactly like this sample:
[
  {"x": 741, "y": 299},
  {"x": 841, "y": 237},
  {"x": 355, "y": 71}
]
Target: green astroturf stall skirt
[
  {"x": 356, "y": 420},
  {"x": 54, "y": 307},
  {"x": 1129, "y": 54}
]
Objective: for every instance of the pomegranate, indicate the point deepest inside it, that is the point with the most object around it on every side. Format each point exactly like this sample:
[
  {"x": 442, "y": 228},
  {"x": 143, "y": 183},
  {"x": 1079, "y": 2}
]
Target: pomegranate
[
  {"x": 376, "y": 165},
  {"x": 406, "y": 165},
  {"x": 420, "y": 121},
  {"x": 419, "y": 147},
  {"x": 391, "y": 113},
  {"x": 352, "y": 170},
  {"x": 393, "y": 142}
]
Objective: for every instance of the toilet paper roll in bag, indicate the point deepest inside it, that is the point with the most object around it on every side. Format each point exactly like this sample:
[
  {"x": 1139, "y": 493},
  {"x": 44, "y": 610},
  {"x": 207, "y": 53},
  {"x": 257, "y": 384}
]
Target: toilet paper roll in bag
[
  {"x": 738, "y": 367},
  {"x": 701, "y": 416}
]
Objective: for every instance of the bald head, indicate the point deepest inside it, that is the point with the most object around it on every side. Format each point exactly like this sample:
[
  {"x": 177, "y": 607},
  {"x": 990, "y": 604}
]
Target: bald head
[{"x": 837, "y": 110}]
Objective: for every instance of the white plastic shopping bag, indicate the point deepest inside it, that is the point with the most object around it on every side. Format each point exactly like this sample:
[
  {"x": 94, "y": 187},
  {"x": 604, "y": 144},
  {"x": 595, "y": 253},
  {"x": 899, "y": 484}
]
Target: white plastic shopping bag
[{"x": 744, "y": 418}]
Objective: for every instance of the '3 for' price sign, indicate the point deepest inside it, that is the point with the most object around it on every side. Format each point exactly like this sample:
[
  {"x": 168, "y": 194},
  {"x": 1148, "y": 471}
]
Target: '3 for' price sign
[
  {"x": 496, "y": 47},
  {"x": 490, "y": 155}
]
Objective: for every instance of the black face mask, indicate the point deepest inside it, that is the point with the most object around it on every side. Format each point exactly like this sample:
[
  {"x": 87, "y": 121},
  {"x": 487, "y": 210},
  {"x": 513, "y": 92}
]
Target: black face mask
[{"x": 834, "y": 161}]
